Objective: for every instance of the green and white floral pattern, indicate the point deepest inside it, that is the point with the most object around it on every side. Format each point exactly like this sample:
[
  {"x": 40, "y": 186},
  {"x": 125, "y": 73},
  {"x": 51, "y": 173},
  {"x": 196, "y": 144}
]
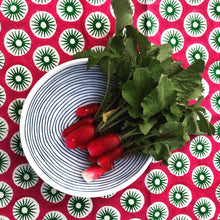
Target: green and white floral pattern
[
  {"x": 108, "y": 212},
  {"x": 24, "y": 176},
  {"x": 79, "y": 207},
  {"x": 14, "y": 110},
  {"x": 214, "y": 40},
  {"x": 156, "y": 181},
  {"x": 14, "y": 10},
  {"x": 2, "y": 57},
  {"x": 15, "y": 144},
  {"x": 6, "y": 194},
  {"x": 216, "y": 136},
  {"x": 96, "y": 2},
  {"x": 3, "y": 129},
  {"x": 18, "y": 78},
  {"x": 26, "y": 208},
  {"x": 200, "y": 147},
  {"x": 204, "y": 208},
  {"x": 5, "y": 161},
  {"x": 132, "y": 200},
  {"x": 2, "y": 96},
  {"x": 69, "y": 10},
  {"x": 71, "y": 41},
  {"x": 215, "y": 101},
  {"x": 97, "y": 25},
  {"x": 214, "y": 10},
  {"x": 216, "y": 160},
  {"x": 214, "y": 72},
  {"x": 43, "y": 24},
  {"x": 180, "y": 196},
  {"x": 46, "y": 58},
  {"x": 17, "y": 42},
  {"x": 181, "y": 217},
  {"x": 157, "y": 211},
  {"x": 50, "y": 194}
]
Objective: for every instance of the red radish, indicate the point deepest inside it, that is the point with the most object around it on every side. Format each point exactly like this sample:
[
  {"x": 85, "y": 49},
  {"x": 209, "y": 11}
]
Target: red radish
[
  {"x": 93, "y": 173},
  {"x": 83, "y": 146},
  {"x": 72, "y": 127},
  {"x": 87, "y": 110},
  {"x": 92, "y": 159},
  {"x": 103, "y": 144},
  {"x": 108, "y": 158},
  {"x": 80, "y": 136}
]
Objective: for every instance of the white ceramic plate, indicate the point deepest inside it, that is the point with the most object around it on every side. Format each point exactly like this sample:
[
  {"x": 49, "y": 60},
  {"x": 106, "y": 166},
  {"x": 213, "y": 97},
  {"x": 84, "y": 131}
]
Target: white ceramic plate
[{"x": 48, "y": 109}]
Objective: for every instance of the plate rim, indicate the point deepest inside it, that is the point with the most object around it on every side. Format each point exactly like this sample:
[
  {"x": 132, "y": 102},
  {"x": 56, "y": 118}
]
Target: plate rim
[{"x": 31, "y": 161}]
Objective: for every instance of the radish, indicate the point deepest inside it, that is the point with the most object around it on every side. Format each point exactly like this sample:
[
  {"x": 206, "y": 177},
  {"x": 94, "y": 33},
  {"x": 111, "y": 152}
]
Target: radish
[
  {"x": 108, "y": 158},
  {"x": 92, "y": 159},
  {"x": 93, "y": 173},
  {"x": 83, "y": 146},
  {"x": 87, "y": 110},
  {"x": 72, "y": 127},
  {"x": 103, "y": 144},
  {"x": 80, "y": 136}
]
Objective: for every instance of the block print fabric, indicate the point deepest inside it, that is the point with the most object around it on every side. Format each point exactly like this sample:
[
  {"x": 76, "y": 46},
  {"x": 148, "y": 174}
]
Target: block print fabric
[{"x": 38, "y": 35}]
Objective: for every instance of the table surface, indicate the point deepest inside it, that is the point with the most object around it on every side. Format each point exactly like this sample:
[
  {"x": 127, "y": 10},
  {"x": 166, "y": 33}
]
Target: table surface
[{"x": 34, "y": 39}]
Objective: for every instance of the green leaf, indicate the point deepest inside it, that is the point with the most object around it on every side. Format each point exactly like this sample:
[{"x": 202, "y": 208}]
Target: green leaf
[
  {"x": 123, "y": 13},
  {"x": 188, "y": 82},
  {"x": 133, "y": 91},
  {"x": 159, "y": 98},
  {"x": 125, "y": 71},
  {"x": 146, "y": 126}
]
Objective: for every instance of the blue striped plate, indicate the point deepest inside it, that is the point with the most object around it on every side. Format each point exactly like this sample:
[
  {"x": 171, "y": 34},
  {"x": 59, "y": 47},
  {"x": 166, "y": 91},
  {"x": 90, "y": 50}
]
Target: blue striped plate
[{"x": 48, "y": 109}]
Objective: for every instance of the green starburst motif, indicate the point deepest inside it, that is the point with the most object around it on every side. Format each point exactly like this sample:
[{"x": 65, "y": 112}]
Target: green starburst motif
[
  {"x": 2, "y": 96},
  {"x": 148, "y": 24},
  {"x": 157, "y": 211},
  {"x": 79, "y": 207},
  {"x": 108, "y": 212},
  {"x": 214, "y": 10},
  {"x": 17, "y": 42},
  {"x": 144, "y": 2},
  {"x": 2, "y": 60},
  {"x": 46, "y": 58},
  {"x": 50, "y": 194},
  {"x": 15, "y": 144},
  {"x": 5, "y": 161},
  {"x": 14, "y": 10},
  {"x": 24, "y": 176},
  {"x": 174, "y": 37},
  {"x": 97, "y": 25},
  {"x": 216, "y": 136},
  {"x": 43, "y": 24},
  {"x": 214, "y": 72},
  {"x": 18, "y": 78},
  {"x": 69, "y": 10},
  {"x": 194, "y": 2},
  {"x": 54, "y": 215},
  {"x": 156, "y": 181},
  {"x": 195, "y": 24},
  {"x": 41, "y": 2},
  {"x": 215, "y": 101},
  {"x": 170, "y": 10},
  {"x": 180, "y": 196},
  {"x": 200, "y": 147},
  {"x": 216, "y": 160},
  {"x": 204, "y": 208},
  {"x": 195, "y": 52},
  {"x": 6, "y": 194},
  {"x": 181, "y": 217},
  {"x": 3, "y": 129},
  {"x": 214, "y": 39},
  {"x": 202, "y": 177},
  {"x": 26, "y": 208},
  {"x": 96, "y": 2},
  {"x": 132, "y": 200},
  {"x": 178, "y": 164},
  {"x": 98, "y": 49},
  {"x": 71, "y": 41},
  {"x": 217, "y": 193},
  {"x": 14, "y": 110}
]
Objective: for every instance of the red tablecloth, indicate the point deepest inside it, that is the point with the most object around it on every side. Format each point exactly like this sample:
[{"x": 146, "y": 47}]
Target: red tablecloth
[{"x": 36, "y": 36}]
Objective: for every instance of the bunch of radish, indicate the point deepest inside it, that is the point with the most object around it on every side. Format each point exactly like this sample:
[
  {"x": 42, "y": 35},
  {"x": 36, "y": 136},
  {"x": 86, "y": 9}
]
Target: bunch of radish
[{"x": 103, "y": 149}]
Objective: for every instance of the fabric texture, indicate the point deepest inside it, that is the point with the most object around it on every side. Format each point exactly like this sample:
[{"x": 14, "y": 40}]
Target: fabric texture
[{"x": 36, "y": 36}]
